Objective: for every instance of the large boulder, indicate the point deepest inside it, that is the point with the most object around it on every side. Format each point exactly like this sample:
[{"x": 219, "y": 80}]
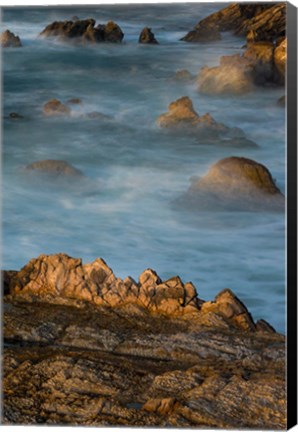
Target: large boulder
[
  {"x": 54, "y": 108},
  {"x": 265, "y": 21},
  {"x": 9, "y": 40},
  {"x": 56, "y": 168},
  {"x": 147, "y": 36},
  {"x": 235, "y": 183},
  {"x": 84, "y": 31}
]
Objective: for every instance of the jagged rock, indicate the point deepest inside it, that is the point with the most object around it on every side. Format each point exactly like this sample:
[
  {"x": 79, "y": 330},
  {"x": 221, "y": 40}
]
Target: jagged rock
[
  {"x": 56, "y": 168},
  {"x": 147, "y": 37},
  {"x": 235, "y": 183},
  {"x": 261, "y": 61},
  {"x": 84, "y": 31},
  {"x": 71, "y": 360},
  {"x": 9, "y": 40},
  {"x": 203, "y": 33},
  {"x": 280, "y": 60},
  {"x": 183, "y": 75},
  {"x": 265, "y": 21},
  {"x": 55, "y": 108}
]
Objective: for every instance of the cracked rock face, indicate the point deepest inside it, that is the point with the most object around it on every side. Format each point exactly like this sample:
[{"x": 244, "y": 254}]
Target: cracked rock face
[{"x": 83, "y": 347}]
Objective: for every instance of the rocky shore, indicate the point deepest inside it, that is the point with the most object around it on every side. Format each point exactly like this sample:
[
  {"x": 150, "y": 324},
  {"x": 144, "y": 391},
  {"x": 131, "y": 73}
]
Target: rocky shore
[{"x": 83, "y": 347}]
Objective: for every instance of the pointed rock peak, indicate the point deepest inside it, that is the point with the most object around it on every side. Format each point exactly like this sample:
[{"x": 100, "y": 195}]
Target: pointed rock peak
[
  {"x": 227, "y": 296},
  {"x": 149, "y": 277},
  {"x": 173, "y": 282},
  {"x": 184, "y": 102}
]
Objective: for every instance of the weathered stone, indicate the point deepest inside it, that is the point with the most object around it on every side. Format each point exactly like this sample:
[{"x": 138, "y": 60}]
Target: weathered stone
[
  {"x": 203, "y": 33},
  {"x": 260, "y": 57},
  {"x": 9, "y": 40},
  {"x": 55, "y": 167},
  {"x": 236, "y": 183},
  {"x": 55, "y": 108},
  {"x": 280, "y": 60},
  {"x": 147, "y": 36}
]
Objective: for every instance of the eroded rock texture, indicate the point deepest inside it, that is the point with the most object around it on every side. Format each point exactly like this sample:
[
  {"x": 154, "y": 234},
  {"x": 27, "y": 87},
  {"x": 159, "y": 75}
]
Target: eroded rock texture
[{"x": 83, "y": 347}]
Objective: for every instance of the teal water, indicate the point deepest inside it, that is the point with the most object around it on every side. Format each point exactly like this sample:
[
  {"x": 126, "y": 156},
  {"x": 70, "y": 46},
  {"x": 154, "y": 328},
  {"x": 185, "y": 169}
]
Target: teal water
[{"x": 124, "y": 212}]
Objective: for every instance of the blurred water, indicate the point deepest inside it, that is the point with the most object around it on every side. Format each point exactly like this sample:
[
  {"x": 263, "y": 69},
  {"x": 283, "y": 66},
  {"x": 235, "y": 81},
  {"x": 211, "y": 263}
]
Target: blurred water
[{"x": 124, "y": 212}]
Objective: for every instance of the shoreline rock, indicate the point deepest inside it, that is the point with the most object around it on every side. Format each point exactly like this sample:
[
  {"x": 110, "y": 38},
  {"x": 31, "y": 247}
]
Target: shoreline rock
[
  {"x": 147, "y": 37},
  {"x": 10, "y": 40}
]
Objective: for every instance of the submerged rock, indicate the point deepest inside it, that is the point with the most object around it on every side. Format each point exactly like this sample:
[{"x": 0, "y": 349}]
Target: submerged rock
[
  {"x": 235, "y": 183},
  {"x": 83, "y": 347},
  {"x": 9, "y": 40},
  {"x": 15, "y": 116},
  {"x": 183, "y": 75},
  {"x": 280, "y": 60},
  {"x": 84, "y": 31},
  {"x": 56, "y": 168},
  {"x": 147, "y": 37},
  {"x": 55, "y": 108}
]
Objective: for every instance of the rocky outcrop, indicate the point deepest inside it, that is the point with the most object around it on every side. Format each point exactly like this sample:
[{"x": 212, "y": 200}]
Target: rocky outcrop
[
  {"x": 83, "y": 347},
  {"x": 147, "y": 37},
  {"x": 280, "y": 60},
  {"x": 9, "y": 40},
  {"x": 57, "y": 168},
  {"x": 182, "y": 118},
  {"x": 204, "y": 32},
  {"x": 235, "y": 183},
  {"x": 262, "y": 21},
  {"x": 55, "y": 107},
  {"x": 84, "y": 31}
]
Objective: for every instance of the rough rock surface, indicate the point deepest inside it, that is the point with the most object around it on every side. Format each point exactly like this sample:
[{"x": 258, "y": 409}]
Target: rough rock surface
[
  {"x": 147, "y": 37},
  {"x": 82, "y": 347},
  {"x": 84, "y": 31},
  {"x": 235, "y": 183},
  {"x": 182, "y": 118},
  {"x": 9, "y": 40},
  {"x": 54, "y": 107},
  {"x": 264, "y": 21},
  {"x": 280, "y": 60},
  {"x": 56, "y": 168}
]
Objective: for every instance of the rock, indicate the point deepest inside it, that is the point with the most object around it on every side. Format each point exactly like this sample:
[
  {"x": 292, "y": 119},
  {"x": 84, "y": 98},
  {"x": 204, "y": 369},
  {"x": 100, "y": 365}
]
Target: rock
[
  {"x": 181, "y": 113},
  {"x": 15, "y": 116},
  {"x": 95, "y": 115},
  {"x": 203, "y": 33},
  {"x": 147, "y": 37},
  {"x": 183, "y": 75},
  {"x": 55, "y": 108},
  {"x": 84, "y": 31},
  {"x": 235, "y": 183},
  {"x": 74, "y": 101},
  {"x": 282, "y": 101},
  {"x": 71, "y": 360},
  {"x": 261, "y": 21},
  {"x": 9, "y": 40},
  {"x": 56, "y": 168},
  {"x": 260, "y": 58},
  {"x": 280, "y": 60}
]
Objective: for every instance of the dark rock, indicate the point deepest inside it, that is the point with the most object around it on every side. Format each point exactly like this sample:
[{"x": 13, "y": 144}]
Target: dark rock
[
  {"x": 55, "y": 108},
  {"x": 9, "y": 40},
  {"x": 235, "y": 183},
  {"x": 112, "y": 32},
  {"x": 81, "y": 348},
  {"x": 55, "y": 168},
  {"x": 203, "y": 33},
  {"x": 261, "y": 61},
  {"x": 15, "y": 116},
  {"x": 147, "y": 37},
  {"x": 74, "y": 101}
]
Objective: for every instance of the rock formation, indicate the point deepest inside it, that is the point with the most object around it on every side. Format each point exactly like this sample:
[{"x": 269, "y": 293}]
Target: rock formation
[
  {"x": 83, "y": 347},
  {"x": 55, "y": 168},
  {"x": 264, "y": 21},
  {"x": 204, "y": 32},
  {"x": 54, "y": 107},
  {"x": 280, "y": 60},
  {"x": 147, "y": 37},
  {"x": 9, "y": 40},
  {"x": 84, "y": 31},
  {"x": 183, "y": 75},
  {"x": 235, "y": 183},
  {"x": 182, "y": 118}
]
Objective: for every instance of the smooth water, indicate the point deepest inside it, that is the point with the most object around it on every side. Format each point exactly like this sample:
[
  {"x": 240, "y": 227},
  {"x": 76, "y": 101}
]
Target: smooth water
[{"x": 124, "y": 211}]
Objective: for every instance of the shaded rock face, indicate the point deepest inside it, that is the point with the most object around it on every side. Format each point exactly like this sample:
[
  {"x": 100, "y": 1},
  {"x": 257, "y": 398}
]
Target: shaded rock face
[
  {"x": 147, "y": 37},
  {"x": 84, "y": 31},
  {"x": 55, "y": 168},
  {"x": 182, "y": 118},
  {"x": 183, "y": 75},
  {"x": 236, "y": 183},
  {"x": 55, "y": 108},
  {"x": 9, "y": 40},
  {"x": 264, "y": 21},
  {"x": 280, "y": 60},
  {"x": 204, "y": 32},
  {"x": 72, "y": 360}
]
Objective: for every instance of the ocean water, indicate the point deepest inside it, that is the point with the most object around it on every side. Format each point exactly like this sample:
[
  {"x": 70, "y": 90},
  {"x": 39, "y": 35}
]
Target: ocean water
[{"x": 123, "y": 212}]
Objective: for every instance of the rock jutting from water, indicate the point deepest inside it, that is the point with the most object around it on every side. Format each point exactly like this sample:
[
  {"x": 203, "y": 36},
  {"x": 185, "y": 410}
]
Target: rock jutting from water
[
  {"x": 57, "y": 168},
  {"x": 55, "y": 107},
  {"x": 235, "y": 183},
  {"x": 84, "y": 31},
  {"x": 9, "y": 40},
  {"x": 147, "y": 37},
  {"x": 262, "y": 21},
  {"x": 83, "y": 347}
]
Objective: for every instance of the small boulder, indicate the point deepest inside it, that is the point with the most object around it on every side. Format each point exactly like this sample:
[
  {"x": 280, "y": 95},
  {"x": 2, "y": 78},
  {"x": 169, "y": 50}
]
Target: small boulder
[
  {"x": 55, "y": 108},
  {"x": 183, "y": 75},
  {"x": 235, "y": 183},
  {"x": 147, "y": 37},
  {"x": 9, "y": 40},
  {"x": 112, "y": 32},
  {"x": 57, "y": 168},
  {"x": 181, "y": 113}
]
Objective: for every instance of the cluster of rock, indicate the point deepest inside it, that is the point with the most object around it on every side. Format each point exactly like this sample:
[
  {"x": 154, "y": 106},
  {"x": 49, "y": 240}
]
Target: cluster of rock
[
  {"x": 9, "y": 40},
  {"x": 83, "y": 347},
  {"x": 265, "y": 21},
  {"x": 235, "y": 183},
  {"x": 56, "y": 108},
  {"x": 182, "y": 117}
]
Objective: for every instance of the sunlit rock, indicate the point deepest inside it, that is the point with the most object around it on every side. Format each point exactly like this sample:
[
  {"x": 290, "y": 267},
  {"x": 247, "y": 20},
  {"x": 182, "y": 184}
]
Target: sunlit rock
[
  {"x": 280, "y": 60},
  {"x": 54, "y": 107},
  {"x": 9, "y": 40}
]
